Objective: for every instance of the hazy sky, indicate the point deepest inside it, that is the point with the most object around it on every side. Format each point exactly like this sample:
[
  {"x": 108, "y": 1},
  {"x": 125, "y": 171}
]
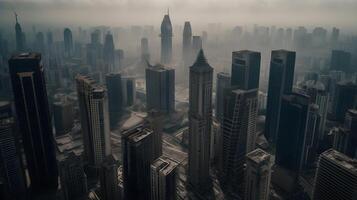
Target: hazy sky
[{"x": 340, "y": 13}]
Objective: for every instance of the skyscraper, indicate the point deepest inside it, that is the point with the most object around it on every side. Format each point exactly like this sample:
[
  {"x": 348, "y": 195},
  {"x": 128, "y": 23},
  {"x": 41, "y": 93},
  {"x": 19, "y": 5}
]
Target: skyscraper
[
  {"x": 294, "y": 115},
  {"x": 166, "y": 40},
  {"x": 245, "y": 69},
  {"x": 160, "y": 88},
  {"x": 196, "y": 45},
  {"x": 200, "y": 120},
  {"x": 137, "y": 157},
  {"x": 68, "y": 42},
  {"x": 145, "y": 53},
  {"x": 238, "y": 133},
  {"x": 109, "y": 182},
  {"x": 186, "y": 44},
  {"x": 30, "y": 95},
  {"x": 20, "y": 43},
  {"x": 128, "y": 90},
  {"x": 108, "y": 52},
  {"x": 344, "y": 98},
  {"x": 258, "y": 173},
  {"x": 281, "y": 78},
  {"x": 223, "y": 82},
  {"x": 341, "y": 61},
  {"x": 94, "y": 117},
  {"x": 115, "y": 97},
  {"x": 155, "y": 123},
  {"x": 163, "y": 179},
  {"x": 63, "y": 116},
  {"x": 336, "y": 177},
  {"x": 11, "y": 169}
]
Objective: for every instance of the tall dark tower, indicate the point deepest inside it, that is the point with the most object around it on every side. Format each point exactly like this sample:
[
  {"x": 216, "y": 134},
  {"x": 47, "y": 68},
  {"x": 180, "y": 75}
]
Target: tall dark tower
[
  {"x": 108, "y": 51},
  {"x": 68, "y": 42},
  {"x": 186, "y": 44},
  {"x": 166, "y": 40},
  {"x": 20, "y": 45},
  {"x": 30, "y": 95}
]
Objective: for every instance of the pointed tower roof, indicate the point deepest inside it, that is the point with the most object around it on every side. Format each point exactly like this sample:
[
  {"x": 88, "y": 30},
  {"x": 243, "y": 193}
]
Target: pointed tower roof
[{"x": 201, "y": 63}]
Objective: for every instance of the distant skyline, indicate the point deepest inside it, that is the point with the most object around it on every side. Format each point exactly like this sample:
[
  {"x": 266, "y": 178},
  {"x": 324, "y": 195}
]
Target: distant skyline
[{"x": 328, "y": 13}]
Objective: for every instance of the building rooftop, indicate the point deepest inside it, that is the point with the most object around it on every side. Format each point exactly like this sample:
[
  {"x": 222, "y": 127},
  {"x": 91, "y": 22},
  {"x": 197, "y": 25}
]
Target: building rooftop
[
  {"x": 27, "y": 55},
  {"x": 164, "y": 164},
  {"x": 341, "y": 160},
  {"x": 258, "y": 156}
]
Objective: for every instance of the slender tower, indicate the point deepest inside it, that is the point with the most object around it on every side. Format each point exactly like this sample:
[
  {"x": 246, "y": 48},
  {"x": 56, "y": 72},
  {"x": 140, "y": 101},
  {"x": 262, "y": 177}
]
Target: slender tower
[
  {"x": 166, "y": 40},
  {"x": 186, "y": 44},
  {"x": 200, "y": 120},
  {"x": 19, "y": 36}
]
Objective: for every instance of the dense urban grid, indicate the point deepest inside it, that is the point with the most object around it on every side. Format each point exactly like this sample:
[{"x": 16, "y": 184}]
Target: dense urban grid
[{"x": 246, "y": 112}]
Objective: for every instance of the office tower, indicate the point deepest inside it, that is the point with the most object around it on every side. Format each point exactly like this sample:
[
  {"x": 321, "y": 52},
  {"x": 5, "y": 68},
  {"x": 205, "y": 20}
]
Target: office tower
[
  {"x": 160, "y": 88},
  {"x": 94, "y": 117},
  {"x": 196, "y": 45},
  {"x": 68, "y": 42},
  {"x": 294, "y": 116},
  {"x": 186, "y": 44},
  {"x": 11, "y": 169},
  {"x": 109, "y": 182},
  {"x": 155, "y": 123},
  {"x": 281, "y": 78},
  {"x": 95, "y": 51},
  {"x": 204, "y": 37},
  {"x": 200, "y": 120},
  {"x": 108, "y": 52},
  {"x": 166, "y": 40},
  {"x": 115, "y": 97},
  {"x": 258, "y": 175},
  {"x": 73, "y": 179},
  {"x": 30, "y": 95},
  {"x": 238, "y": 133},
  {"x": 334, "y": 36},
  {"x": 40, "y": 43},
  {"x": 245, "y": 69},
  {"x": 336, "y": 177},
  {"x": 223, "y": 83},
  {"x": 118, "y": 59},
  {"x": 341, "y": 61},
  {"x": 319, "y": 36},
  {"x": 128, "y": 90},
  {"x": 63, "y": 116},
  {"x": 49, "y": 37},
  {"x": 163, "y": 179},
  {"x": 137, "y": 157},
  {"x": 344, "y": 98},
  {"x": 145, "y": 53},
  {"x": 20, "y": 43},
  {"x": 345, "y": 138}
]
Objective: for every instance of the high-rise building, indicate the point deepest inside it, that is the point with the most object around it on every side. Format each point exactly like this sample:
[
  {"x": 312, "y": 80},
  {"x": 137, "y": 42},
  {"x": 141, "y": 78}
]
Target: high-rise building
[
  {"x": 72, "y": 176},
  {"x": 245, "y": 69},
  {"x": 94, "y": 117},
  {"x": 166, "y": 40},
  {"x": 20, "y": 43},
  {"x": 160, "y": 88},
  {"x": 155, "y": 123},
  {"x": 137, "y": 157},
  {"x": 115, "y": 97},
  {"x": 108, "y": 52},
  {"x": 344, "y": 98},
  {"x": 145, "y": 53},
  {"x": 196, "y": 45},
  {"x": 334, "y": 36},
  {"x": 281, "y": 78},
  {"x": 336, "y": 177},
  {"x": 238, "y": 133},
  {"x": 40, "y": 43},
  {"x": 109, "y": 182},
  {"x": 128, "y": 90},
  {"x": 294, "y": 116},
  {"x": 11, "y": 169},
  {"x": 163, "y": 179},
  {"x": 68, "y": 42},
  {"x": 258, "y": 173},
  {"x": 186, "y": 44},
  {"x": 32, "y": 108},
  {"x": 341, "y": 61},
  {"x": 63, "y": 116},
  {"x": 223, "y": 82},
  {"x": 200, "y": 121}
]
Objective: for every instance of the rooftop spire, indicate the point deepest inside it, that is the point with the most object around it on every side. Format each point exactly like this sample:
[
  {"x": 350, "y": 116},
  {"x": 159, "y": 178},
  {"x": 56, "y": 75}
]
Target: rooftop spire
[
  {"x": 15, "y": 16},
  {"x": 201, "y": 59}
]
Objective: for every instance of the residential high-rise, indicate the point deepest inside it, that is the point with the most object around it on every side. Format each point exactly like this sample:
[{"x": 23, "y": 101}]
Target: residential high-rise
[
  {"x": 11, "y": 169},
  {"x": 258, "y": 173},
  {"x": 32, "y": 108},
  {"x": 341, "y": 61},
  {"x": 238, "y": 133},
  {"x": 166, "y": 40},
  {"x": 94, "y": 117},
  {"x": 245, "y": 69},
  {"x": 68, "y": 42},
  {"x": 281, "y": 78},
  {"x": 160, "y": 88},
  {"x": 200, "y": 121},
  {"x": 294, "y": 116},
  {"x": 186, "y": 44},
  {"x": 109, "y": 182},
  {"x": 73, "y": 179},
  {"x": 137, "y": 157},
  {"x": 145, "y": 53},
  {"x": 108, "y": 52},
  {"x": 115, "y": 97},
  {"x": 336, "y": 177},
  {"x": 63, "y": 116},
  {"x": 223, "y": 82},
  {"x": 20, "y": 43},
  {"x": 163, "y": 179}
]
